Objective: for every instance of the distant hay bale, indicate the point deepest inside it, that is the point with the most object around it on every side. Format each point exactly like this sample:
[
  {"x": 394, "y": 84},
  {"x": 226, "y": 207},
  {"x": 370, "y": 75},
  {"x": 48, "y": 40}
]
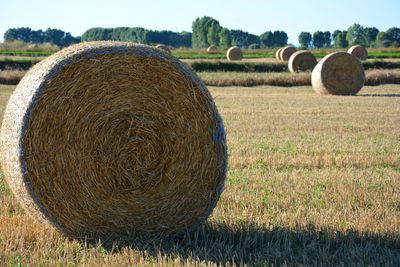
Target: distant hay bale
[
  {"x": 234, "y": 53},
  {"x": 164, "y": 47},
  {"x": 277, "y": 54},
  {"x": 212, "y": 49},
  {"x": 286, "y": 52},
  {"x": 301, "y": 61},
  {"x": 358, "y": 51},
  {"x": 33, "y": 46},
  {"x": 338, "y": 73},
  {"x": 114, "y": 138}
]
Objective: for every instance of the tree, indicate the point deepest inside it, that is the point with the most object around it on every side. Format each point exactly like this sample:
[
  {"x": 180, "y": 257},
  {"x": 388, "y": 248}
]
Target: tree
[
  {"x": 139, "y": 35},
  {"x": 200, "y": 29},
  {"x": 68, "y": 39},
  {"x": 186, "y": 39},
  {"x": 394, "y": 34},
  {"x": 243, "y": 39},
  {"x": 355, "y": 34},
  {"x": 225, "y": 39},
  {"x": 238, "y": 37},
  {"x": 10, "y": 35},
  {"x": 38, "y": 37},
  {"x": 340, "y": 39},
  {"x": 383, "y": 39},
  {"x": 305, "y": 39},
  {"x": 253, "y": 39},
  {"x": 97, "y": 34},
  {"x": 391, "y": 37},
  {"x": 267, "y": 39},
  {"x": 212, "y": 35},
  {"x": 327, "y": 39},
  {"x": 280, "y": 38},
  {"x": 21, "y": 34},
  {"x": 166, "y": 37},
  {"x": 27, "y": 35},
  {"x": 318, "y": 39},
  {"x": 273, "y": 39},
  {"x": 55, "y": 36},
  {"x": 335, "y": 33},
  {"x": 370, "y": 35},
  {"x": 121, "y": 33}
]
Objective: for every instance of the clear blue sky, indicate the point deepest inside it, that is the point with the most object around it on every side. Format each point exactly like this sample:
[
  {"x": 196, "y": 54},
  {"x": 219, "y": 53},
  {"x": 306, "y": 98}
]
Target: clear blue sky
[{"x": 254, "y": 16}]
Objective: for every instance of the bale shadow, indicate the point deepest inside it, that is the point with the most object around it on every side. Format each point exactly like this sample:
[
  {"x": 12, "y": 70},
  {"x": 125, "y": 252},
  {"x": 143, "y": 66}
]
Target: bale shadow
[{"x": 252, "y": 245}]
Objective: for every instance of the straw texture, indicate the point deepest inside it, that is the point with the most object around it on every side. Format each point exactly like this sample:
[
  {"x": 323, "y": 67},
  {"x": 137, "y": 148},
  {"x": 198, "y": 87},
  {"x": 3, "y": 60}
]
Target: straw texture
[
  {"x": 113, "y": 138},
  {"x": 212, "y": 49},
  {"x": 339, "y": 74},
  {"x": 164, "y": 48},
  {"x": 358, "y": 51},
  {"x": 234, "y": 53},
  {"x": 301, "y": 61},
  {"x": 286, "y": 52},
  {"x": 278, "y": 54}
]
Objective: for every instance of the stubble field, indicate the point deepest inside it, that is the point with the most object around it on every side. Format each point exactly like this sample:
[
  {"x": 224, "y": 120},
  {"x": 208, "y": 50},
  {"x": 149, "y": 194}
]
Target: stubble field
[{"x": 312, "y": 180}]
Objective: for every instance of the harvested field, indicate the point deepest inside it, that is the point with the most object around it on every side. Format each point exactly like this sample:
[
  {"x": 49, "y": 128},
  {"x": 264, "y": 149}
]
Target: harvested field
[
  {"x": 312, "y": 180},
  {"x": 231, "y": 78},
  {"x": 373, "y": 77}
]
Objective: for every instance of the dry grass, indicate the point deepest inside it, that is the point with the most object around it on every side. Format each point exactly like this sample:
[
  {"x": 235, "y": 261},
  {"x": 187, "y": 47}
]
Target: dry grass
[
  {"x": 381, "y": 76},
  {"x": 250, "y": 60},
  {"x": 21, "y": 58},
  {"x": 312, "y": 180},
  {"x": 21, "y": 46},
  {"x": 373, "y": 77},
  {"x": 394, "y": 60},
  {"x": 11, "y": 76},
  {"x": 247, "y": 79},
  {"x": 255, "y": 79}
]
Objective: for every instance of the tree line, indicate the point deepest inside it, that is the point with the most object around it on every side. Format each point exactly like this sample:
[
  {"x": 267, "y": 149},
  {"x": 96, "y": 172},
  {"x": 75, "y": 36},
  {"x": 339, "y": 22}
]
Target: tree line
[
  {"x": 207, "y": 31},
  {"x": 139, "y": 35},
  {"x": 355, "y": 34},
  {"x": 54, "y": 36}
]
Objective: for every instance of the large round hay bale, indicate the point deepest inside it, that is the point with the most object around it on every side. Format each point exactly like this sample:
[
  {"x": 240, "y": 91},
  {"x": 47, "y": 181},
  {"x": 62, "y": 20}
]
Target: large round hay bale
[
  {"x": 358, "y": 51},
  {"x": 234, "y": 53},
  {"x": 114, "y": 138},
  {"x": 212, "y": 49},
  {"x": 278, "y": 54},
  {"x": 286, "y": 52},
  {"x": 338, "y": 73},
  {"x": 164, "y": 48},
  {"x": 301, "y": 61}
]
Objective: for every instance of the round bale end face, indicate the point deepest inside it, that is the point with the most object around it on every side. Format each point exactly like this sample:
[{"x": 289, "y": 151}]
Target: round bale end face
[
  {"x": 113, "y": 138},
  {"x": 278, "y": 54},
  {"x": 302, "y": 61},
  {"x": 359, "y": 52},
  {"x": 338, "y": 73},
  {"x": 212, "y": 49},
  {"x": 234, "y": 54},
  {"x": 286, "y": 52}
]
